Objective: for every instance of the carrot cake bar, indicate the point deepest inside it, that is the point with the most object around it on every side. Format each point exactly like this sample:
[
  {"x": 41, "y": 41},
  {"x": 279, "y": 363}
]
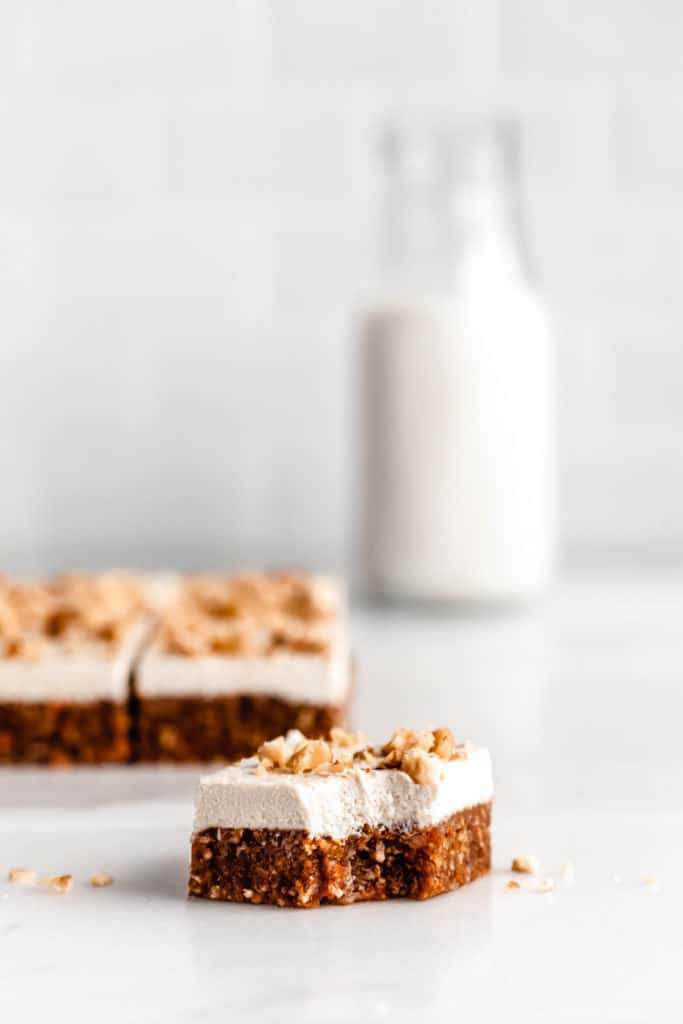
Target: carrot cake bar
[
  {"x": 305, "y": 822},
  {"x": 239, "y": 659},
  {"x": 67, "y": 646}
]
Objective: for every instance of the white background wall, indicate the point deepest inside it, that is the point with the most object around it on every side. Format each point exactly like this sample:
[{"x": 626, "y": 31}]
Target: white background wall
[{"x": 186, "y": 220}]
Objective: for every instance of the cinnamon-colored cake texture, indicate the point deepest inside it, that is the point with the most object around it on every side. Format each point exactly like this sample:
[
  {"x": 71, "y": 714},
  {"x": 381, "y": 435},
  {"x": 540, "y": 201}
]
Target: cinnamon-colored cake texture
[
  {"x": 185, "y": 729},
  {"x": 411, "y": 819},
  {"x": 67, "y": 733}
]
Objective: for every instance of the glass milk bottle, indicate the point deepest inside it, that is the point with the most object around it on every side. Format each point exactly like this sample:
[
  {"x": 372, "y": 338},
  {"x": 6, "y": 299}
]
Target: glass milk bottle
[{"x": 457, "y": 379}]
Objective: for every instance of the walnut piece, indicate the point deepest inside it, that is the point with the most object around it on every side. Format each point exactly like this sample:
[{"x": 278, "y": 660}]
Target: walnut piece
[
  {"x": 100, "y": 879},
  {"x": 309, "y": 755},
  {"x": 22, "y": 876},
  {"x": 423, "y": 768},
  {"x": 526, "y": 865},
  {"x": 276, "y": 751},
  {"x": 407, "y": 739},
  {"x": 342, "y": 738},
  {"x": 444, "y": 744}
]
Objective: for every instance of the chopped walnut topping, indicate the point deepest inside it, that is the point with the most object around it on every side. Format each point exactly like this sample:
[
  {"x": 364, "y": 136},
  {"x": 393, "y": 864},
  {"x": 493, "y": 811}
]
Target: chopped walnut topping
[
  {"x": 100, "y": 879},
  {"x": 342, "y": 738},
  {"x": 22, "y": 876},
  {"x": 420, "y": 754},
  {"x": 407, "y": 739},
  {"x": 275, "y": 751},
  {"x": 250, "y": 614},
  {"x": 309, "y": 755},
  {"x": 423, "y": 768},
  {"x": 58, "y": 883},
  {"x": 444, "y": 744},
  {"x": 74, "y": 612},
  {"x": 367, "y": 757},
  {"x": 526, "y": 865}
]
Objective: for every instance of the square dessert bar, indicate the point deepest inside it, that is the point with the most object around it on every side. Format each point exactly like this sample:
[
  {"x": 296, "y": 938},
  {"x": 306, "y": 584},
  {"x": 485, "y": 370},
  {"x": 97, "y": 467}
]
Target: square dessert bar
[
  {"x": 239, "y": 659},
  {"x": 67, "y": 646},
  {"x": 305, "y": 822}
]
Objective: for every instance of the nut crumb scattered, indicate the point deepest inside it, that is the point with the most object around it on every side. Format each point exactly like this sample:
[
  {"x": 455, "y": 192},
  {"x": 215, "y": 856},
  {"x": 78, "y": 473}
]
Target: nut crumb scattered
[
  {"x": 545, "y": 885},
  {"x": 58, "y": 883},
  {"x": 567, "y": 872},
  {"x": 526, "y": 865},
  {"x": 512, "y": 885},
  {"x": 100, "y": 879},
  {"x": 22, "y": 876}
]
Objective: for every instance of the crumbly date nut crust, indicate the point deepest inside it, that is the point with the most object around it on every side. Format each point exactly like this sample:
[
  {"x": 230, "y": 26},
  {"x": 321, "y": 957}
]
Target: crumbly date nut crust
[
  {"x": 184, "y": 730},
  {"x": 293, "y": 869},
  {"x": 253, "y": 614},
  {"x": 40, "y": 733}
]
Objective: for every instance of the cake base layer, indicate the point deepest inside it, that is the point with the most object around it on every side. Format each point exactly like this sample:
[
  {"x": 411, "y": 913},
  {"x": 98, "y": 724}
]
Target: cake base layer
[
  {"x": 187, "y": 729},
  {"x": 62, "y": 733},
  {"x": 294, "y": 869}
]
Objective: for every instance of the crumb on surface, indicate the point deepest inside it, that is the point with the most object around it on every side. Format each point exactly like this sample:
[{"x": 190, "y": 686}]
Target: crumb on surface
[
  {"x": 545, "y": 885},
  {"x": 526, "y": 865},
  {"x": 58, "y": 883},
  {"x": 100, "y": 879},
  {"x": 22, "y": 876},
  {"x": 511, "y": 884}
]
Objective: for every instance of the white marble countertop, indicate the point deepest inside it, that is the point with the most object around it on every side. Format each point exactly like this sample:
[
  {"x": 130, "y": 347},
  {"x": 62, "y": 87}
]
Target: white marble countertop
[{"x": 580, "y": 703}]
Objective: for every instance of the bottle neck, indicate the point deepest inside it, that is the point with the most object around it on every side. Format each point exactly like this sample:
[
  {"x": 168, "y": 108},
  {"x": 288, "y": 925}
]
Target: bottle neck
[{"x": 451, "y": 219}]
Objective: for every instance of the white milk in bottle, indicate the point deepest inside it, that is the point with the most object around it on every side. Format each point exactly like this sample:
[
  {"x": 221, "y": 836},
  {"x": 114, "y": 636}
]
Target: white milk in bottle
[{"x": 458, "y": 382}]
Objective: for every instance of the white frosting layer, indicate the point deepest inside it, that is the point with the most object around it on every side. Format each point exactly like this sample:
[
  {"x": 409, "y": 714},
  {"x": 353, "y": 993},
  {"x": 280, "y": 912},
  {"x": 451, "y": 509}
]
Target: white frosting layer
[
  {"x": 295, "y": 677},
  {"x": 76, "y": 678},
  {"x": 339, "y": 805},
  {"x": 304, "y": 678}
]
